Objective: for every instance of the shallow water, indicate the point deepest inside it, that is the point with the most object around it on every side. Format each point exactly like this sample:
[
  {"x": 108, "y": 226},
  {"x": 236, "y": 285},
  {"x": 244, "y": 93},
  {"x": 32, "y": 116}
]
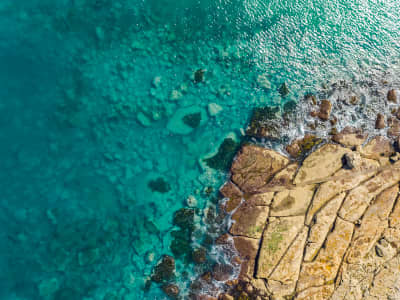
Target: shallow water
[{"x": 89, "y": 90}]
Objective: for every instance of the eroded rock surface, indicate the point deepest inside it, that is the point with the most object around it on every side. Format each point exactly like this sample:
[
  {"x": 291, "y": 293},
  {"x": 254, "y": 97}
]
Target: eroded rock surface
[{"x": 324, "y": 228}]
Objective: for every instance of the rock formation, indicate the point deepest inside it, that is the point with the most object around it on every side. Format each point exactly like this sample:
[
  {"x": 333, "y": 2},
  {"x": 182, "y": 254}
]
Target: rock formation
[{"x": 325, "y": 228}]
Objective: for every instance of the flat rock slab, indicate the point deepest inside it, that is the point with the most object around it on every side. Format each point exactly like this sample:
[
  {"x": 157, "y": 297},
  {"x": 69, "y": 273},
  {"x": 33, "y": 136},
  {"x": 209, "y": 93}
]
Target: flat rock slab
[{"x": 324, "y": 228}]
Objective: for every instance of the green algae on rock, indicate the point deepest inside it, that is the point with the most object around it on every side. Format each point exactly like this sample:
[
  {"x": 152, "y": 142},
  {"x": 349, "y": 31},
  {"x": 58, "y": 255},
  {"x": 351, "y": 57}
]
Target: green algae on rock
[
  {"x": 226, "y": 151},
  {"x": 159, "y": 185}
]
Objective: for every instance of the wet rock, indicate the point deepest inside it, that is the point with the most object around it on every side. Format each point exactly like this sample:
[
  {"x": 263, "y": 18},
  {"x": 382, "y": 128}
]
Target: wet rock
[
  {"x": 199, "y": 75},
  {"x": 394, "y": 127},
  {"x": 380, "y": 121},
  {"x": 234, "y": 195},
  {"x": 165, "y": 270},
  {"x": 311, "y": 99},
  {"x": 354, "y": 100},
  {"x": 302, "y": 146},
  {"x": 321, "y": 163},
  {"x": 290, "y": 107},
  {"x": 284, "y": 90},
  {"x": 171, "y": 290},
  {"x": 350, "y": 137},
  {"x": 199, "y": 255},
  {"x": 223, "y": 158},
  {"x": 265, "y": 123},
  {"x": 392, "y": 96},
  {"x": 184, "y": 218},
  {"x": 159, "y": 185},
  {"x": 247, "y": 249},
  {"x": 222, "y": 272},
  {"x": 281, "y": 180},
  {"x": 254, "y": 166},
  {"x": 325, "y": 109}
]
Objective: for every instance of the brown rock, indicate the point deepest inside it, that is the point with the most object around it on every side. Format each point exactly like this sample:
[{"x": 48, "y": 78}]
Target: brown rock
[
  {"x": 165, "y": 269},
  {"x": 377, "y": 147},
  {"x": 380, "y": 121},
  {"x": 283, "y": 279},
  {"x": 226, "y": 297},
  {"x": 343, "y": 180},
  {"x": 277, "y": 238},
  {"x": 325, "y": 109},
  {"x": 372, "y": 226},
  {"x": 392, "y": 96},
  {"x": 234, "y": 195},
  {"x": 254, "y": 166},
  {"x": 247, "y": 249},
  {"x": 301, "y": 146},
  {"x": 350, "y": 137},
  {"x": 199, "y": 255},
  {"x": 323, "y": 222},
  {"x": 262, "y": 199},
  {"x": 359, "y": 198},
  {"x": 316, "y": 293},
  {"x": 284, "y": 178},
  {"x": 354, "y": 100},
  {"x": 249, "y": 221},
  {"x": 293, "y": 202},
  {"x": 321, "y": 164},
  {"x": 325, "y": 267},
  {"x": 394, "y": 127},
  {"x": 172, "y": 290},
  {"x": 222, "y": 272}
]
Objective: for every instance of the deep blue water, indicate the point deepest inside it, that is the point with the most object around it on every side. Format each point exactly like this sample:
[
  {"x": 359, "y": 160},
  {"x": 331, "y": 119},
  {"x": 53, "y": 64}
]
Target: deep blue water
[{"x": 92, "y": 95}]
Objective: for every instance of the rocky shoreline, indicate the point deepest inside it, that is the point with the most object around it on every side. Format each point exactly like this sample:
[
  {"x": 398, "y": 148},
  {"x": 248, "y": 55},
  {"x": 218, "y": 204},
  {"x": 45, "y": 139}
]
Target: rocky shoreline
[{"x": 323, "y": 221}]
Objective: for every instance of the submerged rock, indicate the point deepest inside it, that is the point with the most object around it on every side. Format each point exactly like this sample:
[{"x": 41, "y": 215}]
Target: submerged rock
[
  {"x": 165, "y": 270},
  {"x": 265, "y": 123},
  {"x": 199, "y": 75},
  {"x": 171, "y": 290},
  {"x": 159, "y": 185},
  {"x": 284, "y": 90},
  {"x": 186, "y": 119},
  {"x": 223, "y": 158}
]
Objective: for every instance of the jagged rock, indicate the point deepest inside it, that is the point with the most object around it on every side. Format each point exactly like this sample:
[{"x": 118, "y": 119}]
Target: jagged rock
[
  {"x": 165, "y": 269},
  {"x": 323, "y": 223},
  {"x": 276, "y": 240},
  {"x": 265, "y": 123},
  {"x": 394, "y": 127},
  {"x": 234, "y": 195},
  {"x": 222, "y": 272},
  {"x": 284, "y": 90},
  {"x": 321, "y": 164},
  {"x": 380, "y": 121},
  {"x": 254, "y": 166},
  {"x": 249, "y": 221},
  {"x": 171, "y": 290},
  {"x": 283, "y": 179},
  {"x": 350, "y": 137},
  {"x": 392, "y": 96},
  {"x": 325, "y": 109},
  {"x": 324, "y": 269},
  {"x": 302, "y": 146}
]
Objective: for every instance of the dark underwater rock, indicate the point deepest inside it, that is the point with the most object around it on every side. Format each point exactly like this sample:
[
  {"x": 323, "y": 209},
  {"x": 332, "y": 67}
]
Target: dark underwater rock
[
  {"x": 159, "y": 185},
  {"x": 223, "y": 158},
  {"x": 265, "y": 123},
  {"x": 192, "y": 120},
  {"x": 199, "y": 255},
  {"x": 180, "y": 244},
  {"x": 171, "y": 290},
  {"x": 165, "y": 270},
  {"x": 184, "y": 218},
  {"x": 199, "y": 75},
  {"x": 284, "y": 90}
]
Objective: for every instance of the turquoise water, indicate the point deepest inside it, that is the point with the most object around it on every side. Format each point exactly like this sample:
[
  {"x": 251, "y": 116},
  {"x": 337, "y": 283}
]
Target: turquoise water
[{"x": 93, "y": 93}]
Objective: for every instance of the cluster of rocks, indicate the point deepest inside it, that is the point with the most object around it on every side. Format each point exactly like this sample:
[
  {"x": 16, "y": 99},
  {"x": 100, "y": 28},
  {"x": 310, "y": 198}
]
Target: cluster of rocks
[
  {"x": 322, "y": 221},
  {"x": 324, "y": 228}
]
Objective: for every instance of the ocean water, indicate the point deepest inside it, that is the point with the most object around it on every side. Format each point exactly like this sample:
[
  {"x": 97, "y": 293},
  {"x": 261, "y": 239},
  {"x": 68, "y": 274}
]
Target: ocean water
[{"x": 95, "y": 155}]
